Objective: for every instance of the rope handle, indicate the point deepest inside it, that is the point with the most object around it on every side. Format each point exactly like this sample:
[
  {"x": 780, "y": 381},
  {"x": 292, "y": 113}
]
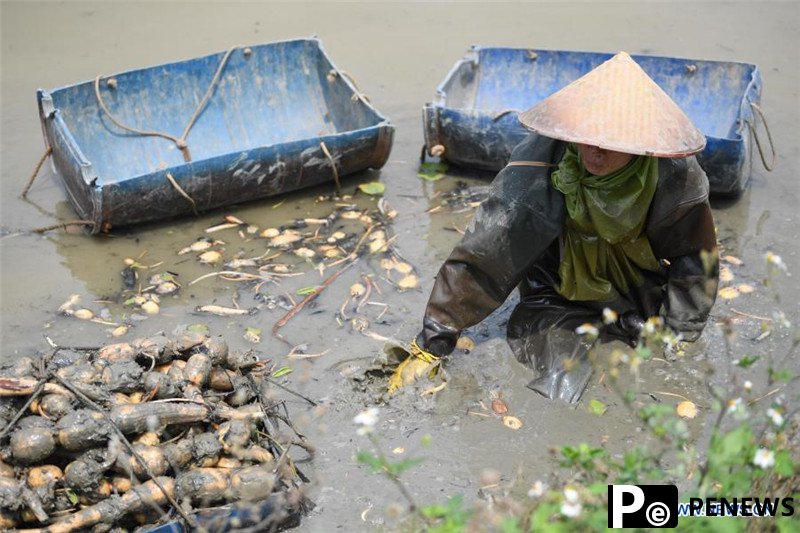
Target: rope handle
[
  {"x": 180, "y": 142},
  {"x": 771, "y": 165},
  {"x": 359, "y": 94},
  {"x": 501, "y": 114}
]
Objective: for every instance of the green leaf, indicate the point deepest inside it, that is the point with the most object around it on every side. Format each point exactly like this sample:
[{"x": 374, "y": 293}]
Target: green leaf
[
  {"x": 307, "y": 291},
  {"x": 398, "y": 468},
  {"x": 510, "y": 525},
  {"x": 597, "y": 407},
  {"x": 129, "y": 301},
  {"x": 375, "y": 464},
  {"x": 731, "y": 448},
  {"x": 432, "y": 171},
  {"x": 784, "y": 466},
  {"x": 71, "y": 496},
  {"x": 643, "y": 351},
  {"x": 199, "y": 328},
  {"x": 373, "y": 188},
  {"x": 282, "y": 371},
  {"x": 781, "y": 375},
  {"x": 253, "y": 331},
  {"x": 748, "y": 360}
]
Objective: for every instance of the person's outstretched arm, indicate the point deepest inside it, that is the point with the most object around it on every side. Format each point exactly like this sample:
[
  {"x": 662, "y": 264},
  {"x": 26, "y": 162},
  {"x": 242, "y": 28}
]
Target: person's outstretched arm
[{"x": 511, "y": 229}]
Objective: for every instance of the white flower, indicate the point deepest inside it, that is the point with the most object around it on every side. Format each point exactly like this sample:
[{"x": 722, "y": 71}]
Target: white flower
[
  {"x": 571, "y": 509},
  {"x": 571, "y": 495},
  {"x": 536, "y": 490},
  {"x": 735, "y": 405},
  {"x": 776, "y": 416},
  {"x": 366, "y": 420},
  {"x": 587, "y": 329},
  {"x": 748, "y": 385},
  {"x": 572, "y": 505},
  {"x": 609, "y": 316},
  {"x": 764, "y": 458},
  {"x": 775, "y": 260}
]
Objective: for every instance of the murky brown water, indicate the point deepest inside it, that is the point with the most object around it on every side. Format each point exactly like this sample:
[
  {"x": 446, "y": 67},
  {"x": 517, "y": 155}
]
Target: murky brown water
[{"x": 398, "y": 53}]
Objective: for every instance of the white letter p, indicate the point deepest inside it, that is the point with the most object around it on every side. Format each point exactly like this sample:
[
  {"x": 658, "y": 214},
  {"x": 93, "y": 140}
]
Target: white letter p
[{"x": 618, "y": 509}]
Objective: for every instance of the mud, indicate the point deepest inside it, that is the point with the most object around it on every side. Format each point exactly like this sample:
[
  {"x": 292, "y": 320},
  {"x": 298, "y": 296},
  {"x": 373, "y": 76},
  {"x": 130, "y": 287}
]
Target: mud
[{"x": 398, "y": 53}]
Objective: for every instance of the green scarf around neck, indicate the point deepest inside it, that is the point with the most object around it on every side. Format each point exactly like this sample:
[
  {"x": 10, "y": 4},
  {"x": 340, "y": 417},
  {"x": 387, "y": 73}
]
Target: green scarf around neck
[{"x": 605, "y": 247}]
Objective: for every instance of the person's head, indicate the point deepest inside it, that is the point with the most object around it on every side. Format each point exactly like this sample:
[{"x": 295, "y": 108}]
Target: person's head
[{"x": 601, "y": 162}]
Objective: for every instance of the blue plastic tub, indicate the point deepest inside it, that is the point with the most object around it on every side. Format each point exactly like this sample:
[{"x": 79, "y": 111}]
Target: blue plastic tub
[
  {"x": 259, "y": 135},
  {"x": 474, "y": 114}
]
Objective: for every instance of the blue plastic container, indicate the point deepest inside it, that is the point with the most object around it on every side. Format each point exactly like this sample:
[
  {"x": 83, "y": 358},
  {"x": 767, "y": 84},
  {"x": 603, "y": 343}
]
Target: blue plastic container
[
  {"x": 259, "y": 135},
  {"x": 474, "y": 114}
]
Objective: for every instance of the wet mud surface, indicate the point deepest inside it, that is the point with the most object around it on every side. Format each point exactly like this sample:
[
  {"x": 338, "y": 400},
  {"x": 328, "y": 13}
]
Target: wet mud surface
[{"x": 398, "y": 54}]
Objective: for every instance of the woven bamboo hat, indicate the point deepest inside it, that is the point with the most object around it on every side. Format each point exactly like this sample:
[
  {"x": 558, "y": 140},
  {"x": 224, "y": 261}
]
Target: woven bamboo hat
[{"x": 617, "y": 106}]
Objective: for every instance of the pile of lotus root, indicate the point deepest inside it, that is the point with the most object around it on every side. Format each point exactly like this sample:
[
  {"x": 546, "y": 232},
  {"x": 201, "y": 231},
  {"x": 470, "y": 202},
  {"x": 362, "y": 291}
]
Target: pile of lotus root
[{"x": 132, "y": 435}]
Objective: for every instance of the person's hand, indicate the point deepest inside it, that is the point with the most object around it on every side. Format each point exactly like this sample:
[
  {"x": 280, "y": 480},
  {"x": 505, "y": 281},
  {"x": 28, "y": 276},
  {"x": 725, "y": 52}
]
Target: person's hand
[{"x": 418, "y": 363}]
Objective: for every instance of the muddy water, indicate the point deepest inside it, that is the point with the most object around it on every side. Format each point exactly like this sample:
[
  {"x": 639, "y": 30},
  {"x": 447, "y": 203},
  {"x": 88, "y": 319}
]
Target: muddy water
[{"x": 398, "y": 53}]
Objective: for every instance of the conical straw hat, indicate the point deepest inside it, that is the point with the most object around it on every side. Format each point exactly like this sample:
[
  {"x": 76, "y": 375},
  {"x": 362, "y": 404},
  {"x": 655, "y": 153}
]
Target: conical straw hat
[{"x": 618, "y": 107}]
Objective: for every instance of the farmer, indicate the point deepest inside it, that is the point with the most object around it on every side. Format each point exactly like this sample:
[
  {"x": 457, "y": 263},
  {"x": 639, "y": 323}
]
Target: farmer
[{"x": 602, "y": 212}]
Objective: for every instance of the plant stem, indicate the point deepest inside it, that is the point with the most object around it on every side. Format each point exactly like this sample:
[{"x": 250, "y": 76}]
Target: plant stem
[{"x": 412, "y": 504}]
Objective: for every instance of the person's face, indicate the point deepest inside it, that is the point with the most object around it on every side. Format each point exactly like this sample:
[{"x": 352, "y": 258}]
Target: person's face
[{"x": 602, "y": 162}]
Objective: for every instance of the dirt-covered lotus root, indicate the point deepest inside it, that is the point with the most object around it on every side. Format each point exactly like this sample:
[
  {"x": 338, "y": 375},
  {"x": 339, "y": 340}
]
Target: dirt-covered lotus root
[
  {"x": 217, "y": 349},
  {"x": 119, "y": 352},
  {"x": 138, "y": 418},
  {"x": 153, "y": 456},
  {"x": 122, "y": 377},
  {"x": 45, "y": 475},
  {"x": 83, "y": 475},
  {"x": 220, "y": 379},
  {"x": 175, "y": 371},
  {"x": 206, "y": 449},
  {"x": 79, "y": 373},
  {"x": 203, "y": 485},
  {"x": 33, "y": 440},
  {"x": 160, "y": 385},
  {"x": 254, "y": 454},
  {"x": 235, "y": 434},
  {"x": 81, "y": 429},
  {"x": 197, "y": 368},
  {"x": 162, "y": 348},
  {"x": 54, "y": 406},
  {"x": 242, "y": 391},
  {"x": 42, "y": 480},
  {"x": 179, "y": 453},
  {"x": 188, "y": 340},
  {"x": 28, "y": 422},
  {"x": 252, "y": 483},
  {"x": 237, "y": 360}
]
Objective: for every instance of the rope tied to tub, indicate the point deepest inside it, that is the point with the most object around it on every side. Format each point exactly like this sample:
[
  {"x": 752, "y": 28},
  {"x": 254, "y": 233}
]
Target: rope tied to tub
[
  {"x": 36, "y": 169},
  {"x": 771, "y": 165},
  {"x": 181, "y": 141}
]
